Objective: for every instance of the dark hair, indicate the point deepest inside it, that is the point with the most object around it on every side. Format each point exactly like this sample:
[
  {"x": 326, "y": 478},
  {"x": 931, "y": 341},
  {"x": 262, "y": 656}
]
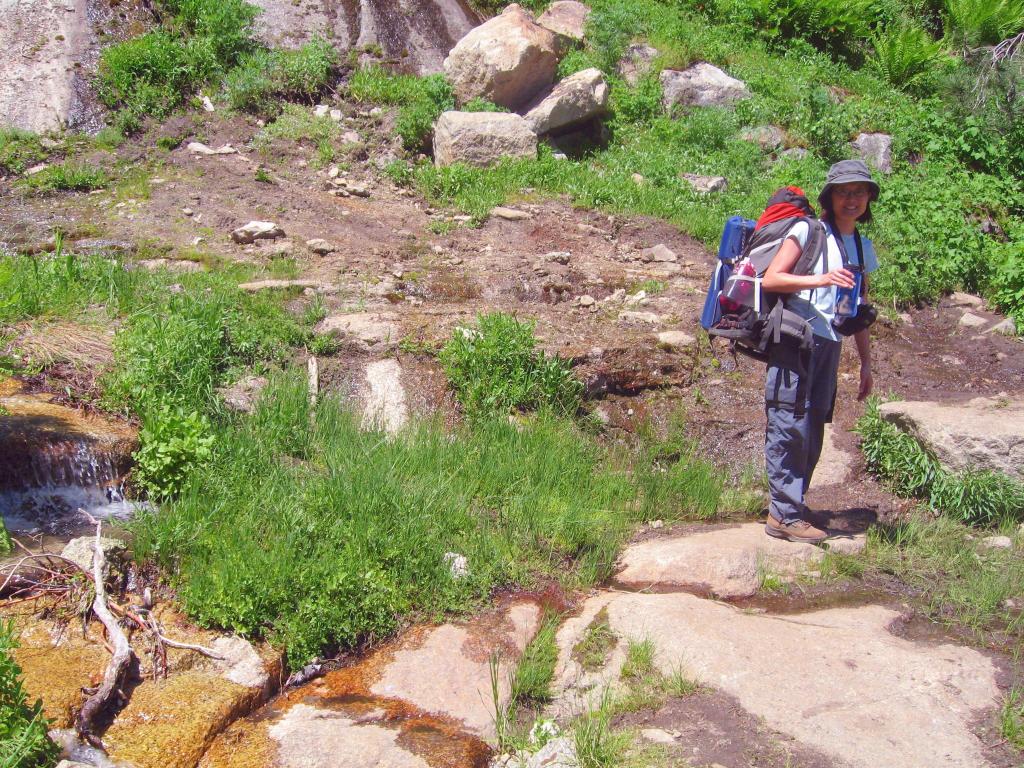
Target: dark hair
[{"x": 826, "y": 204}]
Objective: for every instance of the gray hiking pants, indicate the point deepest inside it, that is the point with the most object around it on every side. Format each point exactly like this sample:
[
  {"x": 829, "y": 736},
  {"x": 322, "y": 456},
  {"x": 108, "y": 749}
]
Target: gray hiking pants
[{"x": 799, "y": 396}]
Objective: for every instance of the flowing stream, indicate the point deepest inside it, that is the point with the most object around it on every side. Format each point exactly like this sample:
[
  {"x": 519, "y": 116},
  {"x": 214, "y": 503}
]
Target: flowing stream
[{"x": 56, "y": 461}]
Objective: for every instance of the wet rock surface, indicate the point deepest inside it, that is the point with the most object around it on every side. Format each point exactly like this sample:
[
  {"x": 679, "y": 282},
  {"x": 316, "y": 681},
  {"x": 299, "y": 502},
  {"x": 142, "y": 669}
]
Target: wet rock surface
[
  {"x": 728, "y": 562},
  {"x": 837, "y": 681}
]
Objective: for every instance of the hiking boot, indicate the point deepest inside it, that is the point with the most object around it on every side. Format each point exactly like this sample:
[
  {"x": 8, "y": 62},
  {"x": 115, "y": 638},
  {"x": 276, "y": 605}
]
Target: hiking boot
[{"x": 798, "y": 530}]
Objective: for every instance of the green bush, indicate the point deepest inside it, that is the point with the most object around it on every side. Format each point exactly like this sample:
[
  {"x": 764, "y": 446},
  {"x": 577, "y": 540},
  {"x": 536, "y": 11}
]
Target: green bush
[
  {"x": 19, "y": 150},
  {"x": 906, "y": 56},
  {"x": 420, "y": 100},
  {"x": 65, "y": 177},
  {"x": 172, "y": 444},
  {"x": 24, "y": 742},
  {"x": 983, "y": 22},
  {"x": 495, "y": 368},
  {"x": 976, "y": 497},
  {"x": 264, "y": 77}
]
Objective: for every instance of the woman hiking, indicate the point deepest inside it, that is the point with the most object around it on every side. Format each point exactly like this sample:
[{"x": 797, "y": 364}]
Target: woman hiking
[{"x": 800, "y": 394}]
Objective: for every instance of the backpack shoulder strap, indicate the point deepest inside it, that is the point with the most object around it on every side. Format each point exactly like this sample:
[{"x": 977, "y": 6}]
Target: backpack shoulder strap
[{"x": 814, "y": 249}]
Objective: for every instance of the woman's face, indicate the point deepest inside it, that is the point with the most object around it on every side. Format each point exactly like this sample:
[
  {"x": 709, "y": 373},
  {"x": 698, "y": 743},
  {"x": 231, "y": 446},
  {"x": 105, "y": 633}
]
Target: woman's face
[{"x": 850, "y": 201}]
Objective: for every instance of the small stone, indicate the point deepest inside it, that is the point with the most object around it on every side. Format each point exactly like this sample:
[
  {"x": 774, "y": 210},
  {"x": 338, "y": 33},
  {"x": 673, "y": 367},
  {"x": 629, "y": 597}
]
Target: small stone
[
  {"x": 457, "y": 564},
  {"x": 638, "y": 179},
  {"x": 673, "y": 340},
  {"x": 207, "y": 104},
  {"x": 619, "y": 294},
  {"x": 768, "y": 137},
  {"x": 557, "y": 753},
  {"x": 1006, "y": 327},
  {"x": 320, "y": 246},
  {"x": 875, "y": 149},
  {"x": 659, "y": 253},
  {"x": 335, "y": 115},
  {"x": 636, "y": 299},
  {"x": 257, "y": 230},
  {"x": 996, "y": 542},
  {"x": 351, "y": 137},
  {"x": 38, "y": 168},
  {"x": 201, "y": 149},
  {"x": 332, "y": 172},
  {"x": 559, "y": 257},
  {"x": 375, "y": 112},
  {"x": 509, "y": 214},
  {"x": 794, "y": 153},
  {"x": 705, "y": 184},
  {"x": 970, "y": 320},
  {"x": 648, "y": 318},
  {"x": 187, "y": 211},
  {"x": 656, "y": 524},
  {"x": 586, "y": 301},
  {"x": 658, "y": 736},
  {"x": 81, "y": 550},
  {"x": 321, "y": 110}
]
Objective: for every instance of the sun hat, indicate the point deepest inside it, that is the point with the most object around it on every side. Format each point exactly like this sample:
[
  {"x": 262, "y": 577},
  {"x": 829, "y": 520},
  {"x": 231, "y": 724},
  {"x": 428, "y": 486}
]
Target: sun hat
[{"x": 846, "y": 172}]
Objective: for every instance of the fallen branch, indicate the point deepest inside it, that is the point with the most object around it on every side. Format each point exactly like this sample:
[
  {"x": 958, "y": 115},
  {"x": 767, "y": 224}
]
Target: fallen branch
[{"x": 122, "y": 656}]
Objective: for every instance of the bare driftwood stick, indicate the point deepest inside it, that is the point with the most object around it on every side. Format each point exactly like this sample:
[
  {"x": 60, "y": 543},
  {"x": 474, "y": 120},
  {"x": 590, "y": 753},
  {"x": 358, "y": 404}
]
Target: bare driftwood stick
[
  {"x": 122, "y": 655},
  {"x": 313, "y": 379}
]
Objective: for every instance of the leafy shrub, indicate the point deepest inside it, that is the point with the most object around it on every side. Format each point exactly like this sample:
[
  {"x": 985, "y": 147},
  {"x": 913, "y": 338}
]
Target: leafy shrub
[
  {"x": 19, "y": 150},
  {"x": 224, "y": 26},
  {"x": 420, "y": 100},
  {"x": 66, "y": 177},
  {"x": 495, "y": 368},
  {"x": 979, "y": 497},
  {"x": 172, "y": 443},
  {"x": 24, "y": 742},
  {"x": 983, "y": 22},
  {"x": 263, "y": 77},
  {"x": 834, "y": 27},
  {"x": 905, "y": 55}
]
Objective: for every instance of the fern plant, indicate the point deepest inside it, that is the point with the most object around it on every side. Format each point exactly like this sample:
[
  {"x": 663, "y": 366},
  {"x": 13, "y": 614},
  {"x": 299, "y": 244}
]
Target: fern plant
[
  {"x": 983, "y": 22},
  {"x": 905, "y": 55}
]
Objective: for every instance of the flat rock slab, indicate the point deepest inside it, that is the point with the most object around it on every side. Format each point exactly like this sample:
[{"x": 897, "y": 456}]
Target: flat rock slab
[
  {"x": 446, "y": 670},
  {"x": 384, "y": 405},
  {"x": 836, "y": 680},
  {"x": 366, "y": 328},
  {"x": 984, "y": 433},
  {"x": 834, "y": 464},
  {"x": 728, "y": 562},
  {"x": 277, "y": 285}
]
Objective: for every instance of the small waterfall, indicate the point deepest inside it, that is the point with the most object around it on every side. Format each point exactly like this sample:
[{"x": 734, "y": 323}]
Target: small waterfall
[{"x": 55, "y": 461}]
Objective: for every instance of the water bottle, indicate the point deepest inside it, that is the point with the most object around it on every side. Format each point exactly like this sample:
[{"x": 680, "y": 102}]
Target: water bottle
[
  {"x": 739, "y": 289},
  {"x": 847, "y": 299}
]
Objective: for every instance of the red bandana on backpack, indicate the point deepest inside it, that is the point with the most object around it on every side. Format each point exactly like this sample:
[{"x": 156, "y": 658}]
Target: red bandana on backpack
[{"x": 786, "y": 203}]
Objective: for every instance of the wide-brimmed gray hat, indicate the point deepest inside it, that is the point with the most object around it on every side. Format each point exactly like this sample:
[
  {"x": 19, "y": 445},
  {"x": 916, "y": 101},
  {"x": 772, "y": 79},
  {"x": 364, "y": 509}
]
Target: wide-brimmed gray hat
[{"x": 846, "y": 172}]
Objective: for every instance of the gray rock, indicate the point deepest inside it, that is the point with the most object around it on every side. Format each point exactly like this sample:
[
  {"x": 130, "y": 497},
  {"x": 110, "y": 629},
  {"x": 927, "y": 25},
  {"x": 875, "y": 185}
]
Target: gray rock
[
  {"x": 875, "y": 149},
  {"x": 658, "y": 736},
  {"x": 557, "y": 753},
  {"x": 659, "y": 253},
  {"x": 971, "y": 320},
  {"x": 368, "y": 329},
  {"x": 648, "y": 318},
  {"x": 768, "y": 137},
  {"x": 482, "y": 138},
  {"x": 673, "y": 340},
  {"x": 240, "y": 663},
  {"x": 508, "y": 60},
  {"x": 243, "y": 394},
  {"x": 172, "y": 265},
  {"x": 984, "y": 433},
  {"x": 320, "y": 246},
  {"x": 80, "y": 551},
  {"x": 384, "y": 402},
  {"x": 636, "y": 62},
  {"x": 201, "y": 149},
  {"x": 705, "y": 185},
  {"x": 567, "y": 19},
  {"x": 97, "y": 245},
  {"x": 559, "y": 257},
  {"x": 965, "y": 300},
  {"x": 256, "y": 230},
  {"x": 702, "y": 85},
  {"x": 509, "y": 214},
  {"x": 578, "y": 98},
  {"x": 1006, "y": 327},
  {"x": 996, "y": 542},
  {"x": 794, "y": 153}
]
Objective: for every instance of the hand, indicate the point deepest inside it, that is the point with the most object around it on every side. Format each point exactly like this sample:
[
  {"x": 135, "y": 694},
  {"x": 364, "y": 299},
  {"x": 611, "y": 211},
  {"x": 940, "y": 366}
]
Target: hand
[
  {"x": 867, "y": 383},
  {"x": 840, "y": 277}
]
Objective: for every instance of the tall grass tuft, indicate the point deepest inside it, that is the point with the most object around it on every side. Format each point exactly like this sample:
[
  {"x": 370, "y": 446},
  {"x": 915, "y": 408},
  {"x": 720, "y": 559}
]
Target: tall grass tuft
[{"x": 24, "y": 742}]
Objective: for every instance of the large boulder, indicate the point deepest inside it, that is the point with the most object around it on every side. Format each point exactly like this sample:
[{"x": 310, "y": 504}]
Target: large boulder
[
  {"x": 576, "y": 99},
  {"x": 508, "y": 60},
  {"x": 702, "y": 85},
  {"x": 984, "y": 433},
  {"x": 482, "y": 138},
  {"x": 567, "y": 19},
  {"x": 875, "y": 149}
]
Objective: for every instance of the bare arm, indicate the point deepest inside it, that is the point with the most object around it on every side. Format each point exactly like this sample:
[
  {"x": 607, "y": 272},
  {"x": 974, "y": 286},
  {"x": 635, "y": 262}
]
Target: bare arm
[{"x": 779, "y": 277}]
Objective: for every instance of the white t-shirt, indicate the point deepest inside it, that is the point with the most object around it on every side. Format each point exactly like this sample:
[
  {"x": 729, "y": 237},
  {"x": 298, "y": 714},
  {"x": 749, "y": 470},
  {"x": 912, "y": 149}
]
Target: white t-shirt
[{"x": 818, "y": 305}]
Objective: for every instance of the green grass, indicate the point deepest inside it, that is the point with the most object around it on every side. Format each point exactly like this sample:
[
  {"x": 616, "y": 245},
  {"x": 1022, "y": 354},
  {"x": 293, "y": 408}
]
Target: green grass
[
  {"x": 957, "y": 580},
  {"x": 597, "y": 643},
  {"x": 495, "y": 368},
  {"x": 973, "y": 496},
  {"x": 531, "y": 682},
  {"x": 263, "y": 78},
  {"x": 298, "y": 124},
  {"x": 24, "y": 742},
  {"x": 19, "y": 150},
  {"x": 65, "y": 177},
  {"x": 598, "y": 745},
  {"x": 420, "y": 100},
  {"x": 1011, "y": 718}
]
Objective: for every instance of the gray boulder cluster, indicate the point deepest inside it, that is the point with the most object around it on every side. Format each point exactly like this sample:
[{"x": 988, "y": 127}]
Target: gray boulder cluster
[{"x": 511, "y": 60}]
